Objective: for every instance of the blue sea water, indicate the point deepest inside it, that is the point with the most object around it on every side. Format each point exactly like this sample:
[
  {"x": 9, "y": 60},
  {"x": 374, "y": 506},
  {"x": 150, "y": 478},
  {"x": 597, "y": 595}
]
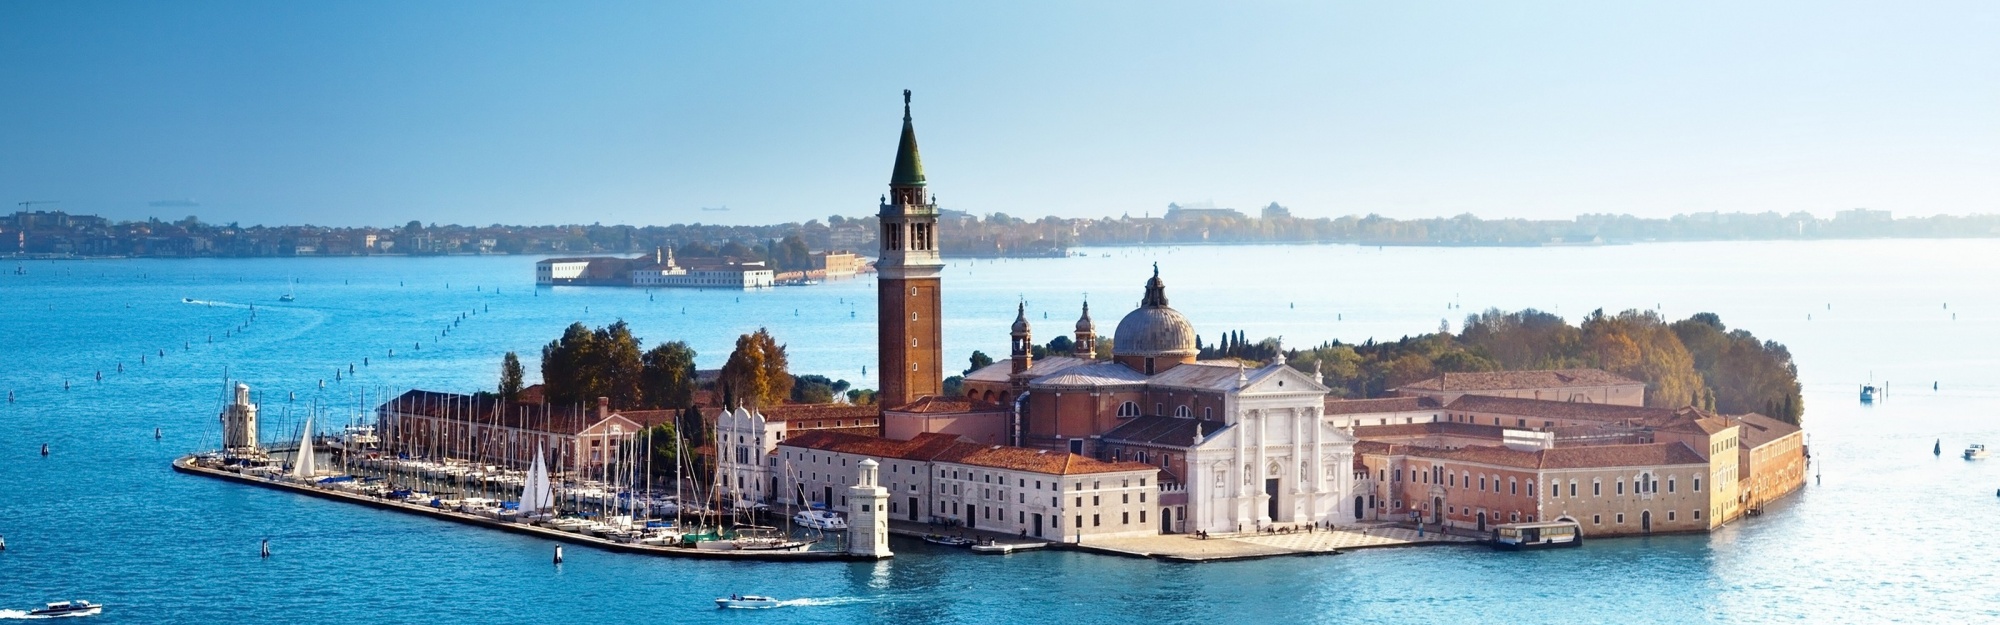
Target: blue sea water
[{"x": 1885, "y": 533}]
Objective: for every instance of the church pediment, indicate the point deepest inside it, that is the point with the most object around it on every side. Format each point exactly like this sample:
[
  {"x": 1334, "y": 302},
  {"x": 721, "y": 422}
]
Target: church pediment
[{"x": 1275, "y": 379}]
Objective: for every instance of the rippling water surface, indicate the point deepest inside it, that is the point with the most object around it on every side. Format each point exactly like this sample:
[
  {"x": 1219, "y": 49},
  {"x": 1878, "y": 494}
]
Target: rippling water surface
[{"x": 1887, "y": 532}]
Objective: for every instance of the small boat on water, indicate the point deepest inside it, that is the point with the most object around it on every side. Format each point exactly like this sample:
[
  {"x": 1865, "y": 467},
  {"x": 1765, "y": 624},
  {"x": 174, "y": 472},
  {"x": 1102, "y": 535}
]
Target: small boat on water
[
  {"x": 1976, "y": 452},
  {"x": 948, "y": 541},
  {"x": 991, "y": 548},
  {"x": 76, "y": 607},
  {"x": 745, "y": 602},
  {"x": 1541, "y": 535},
  {"x": 820, "y": 519}
]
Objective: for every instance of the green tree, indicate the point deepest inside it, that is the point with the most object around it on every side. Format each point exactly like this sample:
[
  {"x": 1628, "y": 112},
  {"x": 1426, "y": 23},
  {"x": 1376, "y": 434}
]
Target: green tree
[
  {"x": 979, "y": 361},
  {"x": 669, "y": 377},
  {"x": 510, "y": 377},
  {"x": 566, "y": 375}
]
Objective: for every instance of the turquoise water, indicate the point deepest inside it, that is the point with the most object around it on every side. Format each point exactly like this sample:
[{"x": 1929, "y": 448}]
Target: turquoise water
[{"x": 1889, "y": 533}]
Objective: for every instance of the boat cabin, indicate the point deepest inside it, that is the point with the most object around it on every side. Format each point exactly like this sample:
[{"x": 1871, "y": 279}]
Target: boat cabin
[{"x": 1540, "y": 535}]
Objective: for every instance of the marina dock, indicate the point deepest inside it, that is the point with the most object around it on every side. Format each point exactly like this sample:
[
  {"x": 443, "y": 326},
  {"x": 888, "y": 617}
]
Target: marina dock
[{"x": 187, "y": 465}]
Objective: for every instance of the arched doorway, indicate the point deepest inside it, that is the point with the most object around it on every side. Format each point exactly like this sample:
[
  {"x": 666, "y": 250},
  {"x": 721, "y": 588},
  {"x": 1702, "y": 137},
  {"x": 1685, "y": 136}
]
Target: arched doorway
[
  {"x": 1437, "y": 509},
  {"x": 1357, "y": 507},
  {"x": 1646, "y": 521},
  {"x": 1166, "y": 520},
  {"x": 1482, "y": 520}
]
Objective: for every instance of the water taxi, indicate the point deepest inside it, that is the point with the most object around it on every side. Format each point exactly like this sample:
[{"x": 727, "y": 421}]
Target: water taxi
[
  {"x": 1976, "y": 452},
  {"x": 76, "y": 607},
  {"x": 1542, "y": 535},
  {"x": 749, "y": 602}
]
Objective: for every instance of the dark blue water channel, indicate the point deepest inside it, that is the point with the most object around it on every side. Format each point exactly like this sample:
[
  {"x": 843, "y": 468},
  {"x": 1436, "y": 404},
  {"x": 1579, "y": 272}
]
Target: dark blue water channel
[{"x": 1886, "y": 533}]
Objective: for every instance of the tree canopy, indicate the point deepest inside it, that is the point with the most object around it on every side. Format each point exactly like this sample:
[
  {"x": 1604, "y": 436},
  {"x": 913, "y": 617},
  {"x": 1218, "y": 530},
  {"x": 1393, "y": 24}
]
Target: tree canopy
[{"x": 756, "y": 373}]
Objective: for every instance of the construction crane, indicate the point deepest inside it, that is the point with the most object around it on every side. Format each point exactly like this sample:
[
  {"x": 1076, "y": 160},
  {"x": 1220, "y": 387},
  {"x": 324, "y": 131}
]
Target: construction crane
[{"x": 30, "y": 204}]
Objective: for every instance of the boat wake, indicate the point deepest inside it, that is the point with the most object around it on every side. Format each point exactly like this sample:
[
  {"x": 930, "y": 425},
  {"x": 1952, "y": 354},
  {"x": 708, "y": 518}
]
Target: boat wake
[
  {"x": 822, "y": 601},
  {"x": 19, "y": 614},
  {"x": 211, "y": 303}
]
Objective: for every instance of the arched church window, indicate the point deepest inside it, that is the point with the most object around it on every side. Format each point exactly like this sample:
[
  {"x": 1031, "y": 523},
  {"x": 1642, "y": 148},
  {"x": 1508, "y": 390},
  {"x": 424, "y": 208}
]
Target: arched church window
[
  {"x": 1128, "y": 409},
  {"x": 1184, "y": 412}
]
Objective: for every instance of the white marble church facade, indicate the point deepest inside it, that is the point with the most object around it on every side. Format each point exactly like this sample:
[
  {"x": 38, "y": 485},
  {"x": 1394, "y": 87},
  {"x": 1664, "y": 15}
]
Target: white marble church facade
[{"x": 1276, "y": 462}]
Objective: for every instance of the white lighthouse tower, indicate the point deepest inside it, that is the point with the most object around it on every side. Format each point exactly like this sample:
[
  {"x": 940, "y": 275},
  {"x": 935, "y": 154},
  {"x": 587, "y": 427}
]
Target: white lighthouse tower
[
  {"x": 868, "y": 513},
  {"x": 239, "y": 421}
]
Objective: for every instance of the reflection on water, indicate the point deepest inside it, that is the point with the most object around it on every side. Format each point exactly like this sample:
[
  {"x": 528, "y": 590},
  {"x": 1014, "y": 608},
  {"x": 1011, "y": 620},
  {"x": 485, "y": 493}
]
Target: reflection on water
[{"x": 1888, "y": 531}]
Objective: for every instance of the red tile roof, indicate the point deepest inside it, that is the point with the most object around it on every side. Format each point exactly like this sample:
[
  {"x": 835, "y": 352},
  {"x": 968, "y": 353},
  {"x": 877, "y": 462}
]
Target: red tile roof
[
  {"x": 934, "y": 404},
  {"x": 1510, "y": 380},
  {"x": 938, "y": 447},
  {"x": 1385, "y": 404},
  {"x": 1650, "y": 455},
  {"x": 1595, "y": 456},
  {"x": 1556, "y": 409},
  {"x": 1757, "y": 430}
]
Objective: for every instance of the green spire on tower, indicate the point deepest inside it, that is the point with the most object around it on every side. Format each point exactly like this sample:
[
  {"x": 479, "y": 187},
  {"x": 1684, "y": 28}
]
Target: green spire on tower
[{"x": 909, "y": 167}]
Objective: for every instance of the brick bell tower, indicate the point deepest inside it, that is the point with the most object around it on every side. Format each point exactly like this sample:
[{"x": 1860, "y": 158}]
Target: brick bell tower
[{"x": 911, "y": 352}]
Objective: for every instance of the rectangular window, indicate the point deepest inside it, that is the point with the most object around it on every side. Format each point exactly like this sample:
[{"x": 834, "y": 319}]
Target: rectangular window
[
  {"x": 1125, "y": 519},
  {"x": 1621, "y": 518},
  {"x": 1670, "y": 488},
  {"x": 1697, "y": 484},
  {"x": 1127, "y": 498},
  {"x": 1142, "y": 516},
  {"x": 1697, "y": 514},
  {"x": 1094, "y": 519},
  {"x": 1670, "y": 515},
  {"x": 1597, "y": 519},
  {"x": 1094, "y": 501},
  {"x": 1597, "y": 489},
  {"x": 1621, "y": 487}
]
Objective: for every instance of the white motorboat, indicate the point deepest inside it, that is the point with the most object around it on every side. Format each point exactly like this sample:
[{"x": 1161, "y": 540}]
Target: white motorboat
[
  {"x": 820, "y": 519},
  {"x": 1976, "y": 452},
  {"x": 745, "y": 602},
  {"x": 76, "y": 607}
]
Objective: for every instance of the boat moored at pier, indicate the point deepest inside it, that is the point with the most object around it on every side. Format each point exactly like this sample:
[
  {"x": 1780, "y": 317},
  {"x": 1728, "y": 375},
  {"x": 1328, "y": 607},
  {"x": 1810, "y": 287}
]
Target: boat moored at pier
[{"x": 1541, "y": 535}]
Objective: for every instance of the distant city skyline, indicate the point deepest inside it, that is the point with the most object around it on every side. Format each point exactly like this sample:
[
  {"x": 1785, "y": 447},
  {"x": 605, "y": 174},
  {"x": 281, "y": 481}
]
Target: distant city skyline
[{"x": 374, "y": 113}]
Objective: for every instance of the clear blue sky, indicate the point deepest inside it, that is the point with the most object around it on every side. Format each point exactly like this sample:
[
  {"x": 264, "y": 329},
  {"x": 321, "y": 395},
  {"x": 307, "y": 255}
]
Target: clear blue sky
[{"x": 350, "y": 113}]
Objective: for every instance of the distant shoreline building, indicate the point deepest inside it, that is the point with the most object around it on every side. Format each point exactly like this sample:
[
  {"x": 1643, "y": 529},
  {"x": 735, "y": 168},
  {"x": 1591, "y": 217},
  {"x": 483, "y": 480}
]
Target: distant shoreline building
[{"x": 659, "y": 270}]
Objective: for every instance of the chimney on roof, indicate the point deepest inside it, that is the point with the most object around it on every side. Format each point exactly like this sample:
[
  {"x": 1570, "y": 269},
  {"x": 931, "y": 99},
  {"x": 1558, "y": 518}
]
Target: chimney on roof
[{"x": 603, "y": 407}]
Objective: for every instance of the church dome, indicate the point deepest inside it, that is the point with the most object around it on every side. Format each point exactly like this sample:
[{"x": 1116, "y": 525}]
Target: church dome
[{"x": 1154, "y": 329}]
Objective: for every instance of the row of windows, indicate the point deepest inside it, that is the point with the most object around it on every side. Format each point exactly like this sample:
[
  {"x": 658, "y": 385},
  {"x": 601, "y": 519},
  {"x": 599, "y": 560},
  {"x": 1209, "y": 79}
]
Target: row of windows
[{"x": 1598, "y": 519}]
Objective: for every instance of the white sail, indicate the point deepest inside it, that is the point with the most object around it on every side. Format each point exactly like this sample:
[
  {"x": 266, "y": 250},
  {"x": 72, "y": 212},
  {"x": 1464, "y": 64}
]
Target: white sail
[
  {"x": 302, "y": 466},
  {"x": 536, "y": 495}
]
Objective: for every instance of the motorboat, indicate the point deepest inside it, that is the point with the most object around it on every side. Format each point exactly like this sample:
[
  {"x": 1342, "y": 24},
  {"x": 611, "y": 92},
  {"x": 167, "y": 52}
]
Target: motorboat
[
  {"x": 948, "y": 541},
  {"x": 287, "y": 298},
  {"x": 820, "y": 519},
  {"x": 991, "y": 548},
  {"x": 1542, "y": 535},
  {"x": 745, "y": 602},
  {"x": 77, "y": 607},
  {"x": 1976, "y": 452}
]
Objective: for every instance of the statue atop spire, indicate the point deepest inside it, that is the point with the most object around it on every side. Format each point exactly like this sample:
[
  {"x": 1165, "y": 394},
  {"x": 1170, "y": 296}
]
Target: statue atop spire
[{"x": 1156, "y": 290}]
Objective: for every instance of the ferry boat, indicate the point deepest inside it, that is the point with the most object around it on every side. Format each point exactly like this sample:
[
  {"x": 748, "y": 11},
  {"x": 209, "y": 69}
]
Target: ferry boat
[
  {"x": 76, "y": 607},
  {"x": 1542, "y": 535},
  {"x": 1976, "y": 452},
  {"x": 819, "y": 519},
  {"x": 743, "y": 602}
]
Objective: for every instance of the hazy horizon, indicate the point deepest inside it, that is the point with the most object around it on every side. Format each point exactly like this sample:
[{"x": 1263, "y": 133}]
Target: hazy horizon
[{"x": 375, "y": 113}]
